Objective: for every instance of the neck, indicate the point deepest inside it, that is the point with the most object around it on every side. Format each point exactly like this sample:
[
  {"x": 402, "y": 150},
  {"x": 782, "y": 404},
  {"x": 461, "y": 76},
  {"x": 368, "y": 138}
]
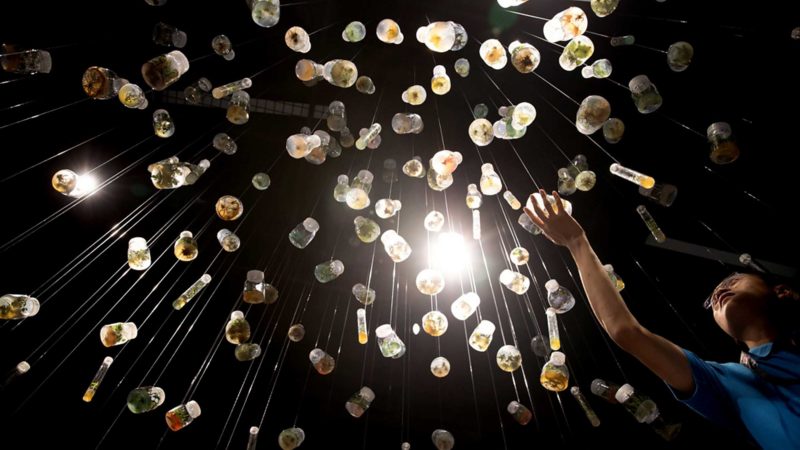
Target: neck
[{"x": 758, "y": 335}]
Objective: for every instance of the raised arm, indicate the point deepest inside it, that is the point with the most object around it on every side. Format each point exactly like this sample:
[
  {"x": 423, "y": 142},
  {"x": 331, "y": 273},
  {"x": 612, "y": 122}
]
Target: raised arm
[{"x": 661, "y": 356}]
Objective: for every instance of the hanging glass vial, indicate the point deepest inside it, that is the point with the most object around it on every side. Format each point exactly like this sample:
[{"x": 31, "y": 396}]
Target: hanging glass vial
[
  {"x": 585, "y": 406},
  {"x": 490, "y": 181},
  {"x": 480, "y": 111},
  {"x": 138, "y": 254},
  {"x": 601, "y": 68},
  {"x": 365, "y": 85},
  {"x": 603, "y": 8},
  {"x": 361, "y": 322},
  {"x": 527, "y": 224},
  {"x": 358, "y": 196},
  {"x": 163, "y": 126},
  {"x": 195, "y": 92},
  {"x": 493, "y": 54},
  {"x": 229, "y": 241},
  {"x": 443, "y": 440},
  {"x": 414, "y": 95},
  {"x": 100, "y": 83},
  {"x": 18, "y": 306},
  {"x": 593, "y": 112},
  {"x": 222, "y": 46},
  {"x": 434, "y": 323},
  {"x": 566, "y": 182},
  {"x": 185, "y": 247},
  {"x": 168, "y": 36},
  {"x": 476, "y": 224},
  {"x": 252, "y": 438},
  {"x": 440, "y": 367},
  {"x": 552, "y": 329},
  {"x": 663, "y": 194},
  {"x": 465, "y": 306},
  {"x": 633, "y": 176},
  {"x": 414, "y": 168},
  {"x": 98, "y": 378},
  {"x": 182, "y": 415},
  {"x": 247, "y": 352},
  {"x": 396, "y": 247},
  {"x": 389, "y": 342},
  {"x": 519, "y": 412},
  {"x": 605, "y": 390},
  {"x": 519, "y": 256},
  {"x": 481, "y": 132},
  {"x": 369, "y": 138},
  {"x": 354, "y": 32},
  {"x": 291, "y": 438},
  {"x": 524, "y": 57},
  {"x": 642, "y": 407},
  {"x": 388, "y": 31},
  {"x": 265, "y": 13},
  {"x": 238, "y": 112},
  {"x": 679, "y": 55},
  {"x": 132, "y": 96},
  {"x": 509, "y": 358},
  {"x": 559, "y": 298},
  {"x": 118, "y": 333},
  {"x": 434, "y": 221},
  {"x": 555, "y": 376},
  {"x": 328, "y": 271},
  {"x": 237, "y": 331},
  {"x": 229, "y": 208},
  {"x": 481, "y": 337},
  {"x": 364, "y": 295},
  {"x": 616, "y": 280},
  {"x": 341, "y": 189},
  {"x": 254, "y": 285},
  {"x": 164, "y": 70},
  {"x": 515, "y": 281},
  {"x": 620, "y": 41},
  {"x": 296, "y": 332},
  {"x": 145, "y": 399},
  {"x": 461, "y": 67},
  {"x": 645, "y": 95},
  {"x": 723, "y": 147},
  {"x": 25, "y": 62},
  {"x": 300, "y": 145},
  {"x": 297, "y": 40},
  {"x": 340, "y": 72},
  {"x": 367, "y": 230},
  {"x": 430, "y": 282},
  {"x": 224, "y": 143},
  {"x": 323, "y": 362},
  {"x": 359, "y": 402},
  {"x": 577, "y": 52},
  {"x": 540, "y": 346},
  {"x": 304, "y": 232},
  {"x": 474, "y": 198},
  {"x": 613, "y": 130},
  {"x": 440, "y": 83},
  {"x": 566, "y": 25},
  {"x": 648, "y": 220},
  {"x": 386, "y": 208},
  {"x": 191, "y": 292},
  {"x": 512, "y": 200},
  {"x": 405, "y": 123}
]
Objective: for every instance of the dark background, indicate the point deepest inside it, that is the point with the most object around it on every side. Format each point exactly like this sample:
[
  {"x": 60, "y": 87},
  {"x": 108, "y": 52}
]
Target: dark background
[{"x": 742, "y": 73}]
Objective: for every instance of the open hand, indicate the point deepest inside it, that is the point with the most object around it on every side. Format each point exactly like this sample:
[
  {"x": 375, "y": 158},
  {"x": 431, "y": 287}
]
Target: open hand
[{"x": 556, "y": 224}]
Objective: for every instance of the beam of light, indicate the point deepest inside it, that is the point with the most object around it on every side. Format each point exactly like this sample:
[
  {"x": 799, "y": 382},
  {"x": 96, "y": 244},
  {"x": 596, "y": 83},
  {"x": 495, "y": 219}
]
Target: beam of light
[
  {"x": 449, "y": 253},
  {"x": 86, "y": 185}
]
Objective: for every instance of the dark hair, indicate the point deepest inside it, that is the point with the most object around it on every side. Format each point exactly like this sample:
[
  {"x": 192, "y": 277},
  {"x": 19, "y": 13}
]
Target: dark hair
[{"x": 784, "y": 314}]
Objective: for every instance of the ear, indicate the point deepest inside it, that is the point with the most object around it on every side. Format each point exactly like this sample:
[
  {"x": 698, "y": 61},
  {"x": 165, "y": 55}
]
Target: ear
[{"x": 785, "y": 292}]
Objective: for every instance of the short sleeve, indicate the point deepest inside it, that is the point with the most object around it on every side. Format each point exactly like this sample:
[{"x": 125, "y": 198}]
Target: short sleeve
[{"x": 710, "y": 399}]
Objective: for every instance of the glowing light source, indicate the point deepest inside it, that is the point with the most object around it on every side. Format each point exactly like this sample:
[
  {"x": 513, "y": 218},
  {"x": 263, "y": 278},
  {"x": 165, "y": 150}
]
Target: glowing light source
[
  {"x": 450, "y": 253},
  {"x": 85, "y": 186}
]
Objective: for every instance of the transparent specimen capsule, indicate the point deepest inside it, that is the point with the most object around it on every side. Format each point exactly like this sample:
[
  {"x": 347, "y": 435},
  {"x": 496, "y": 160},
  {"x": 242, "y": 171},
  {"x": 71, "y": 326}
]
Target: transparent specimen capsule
[
  {"x": 328, "y": 270},
  {"x": 247, "y": 352},
  {"x": 613, "y": 130},
  {"x": 540, "y": 346},
  {"x": 238, "y": 112},
  {"x": 101, "y": 83},
  {"x": 445, "y": 162},
  {"x": 633, "y": 176},
  {"x": 603, "y": 8},
  {"x": 509, "y": 358},
  {"x": 300, "y": 145},
  {"x": 493, "y": 54},
  {"x": 254, "y": 287},
  {"x": 559, "y": 297},
  {"x": 414, "y": 168},
  {"x": 599, "y": 69},
  {"x": 437, "y": 36},
  {"x": 388, "y": 31},
  {"x": 480, "y": 111},
  {"x": 524, "y": 114},
  {"x": 396, "y": 247},
  {"x": 443, "y": 440},
  {"x": 368, "y": 136},
  {"x": 476, "y": 224},
  {"x": 354, "y": 32},
  {"x": 346, "y": 138},
  {"x": 224, "y": 143},
  {"x": 132, "y": 96},
  {"x": 430, "y": 281},
  {"x": 566, "y": 204},
  {"x": 389, "y": 342},
  {"x": 363, "y": 294},
  {"x": 440, "y": 82},
  {"x": 461, "y": 67},
  {"x": 25, "y": 62},
  {"x": 512, "y": 200},
  {"x": 296, "y": 332},
  {"x": 519, "y": 256},
  {"x": 182, "y": 415},
  {"x": 555, "y": 376},
  {"x": 605, "y": 390},
  {"x": 405, "y": 123},
  {"x": 578, "y": 165},
  {"x": 585, "y": 406},
  {"x": 185, "y": 247},
  {"x": 98, "y": 378},
  {"x": 65, "y": 181},
  {"x": 138, "y": 254},
  {"x": 18, "y": 306},
  {"x": 229, "y": 208},
  {"x": 194, "y": 93},
  {"x": 642, "y": 407},
  {"x": 307, "y": 70},
  {"x": 679, "y": 55},
  {"x": 337, "y": 116},
  {"x": 297, "y": 40},
  {"x": 515, "y": 281},
  {"x": 291, "y": 438},
  {"x": 481, "y": 337},
  {"x": 228, "y": 89},
  {"x": 644, "y": 94},
  {"x": 415, "y": 329},
  {"x": 340, "y": 72},
  {"x": 519, "y": 412},
  {"x": 465, "y": 306},
  {"x": 621, "y": 41},
  {"x": 434, "y": 323},
  {"x": 191, "y": 292},
  {"x": 461, "y": 37},
  {"x": 341, "y": 188},
  {"x": 616, "y": 280},
  {"x": 795, "y": 33},
  {"x": 386, "y": 208},
  {"x": 228, "y": 240},
  {"x": 361, "y": 322},
  {"x": 222, "y": 46},
  {"x": 552, "y": 329},
  {"x": 503, "y": 129},
  {"x": 490, "y": 181},
  {"x": 118, "y": 333},
  {"x": 440, "y": 367},
  {"x": 648, "y": 220},
  {"x": 164, "y": 70},
  {"x": 322, "y": 361},
  {"x": 261, "y": 181},
  {"x": 663, "y": 194},
  {"x": 357, "y": 198},
  {"x": 524, "y": 57},
  {"x": 566, "y": 25},
  {"x": 367, "y": 230},
  {"x": 168, "y": 36},
  {"x": 585, "y": 180},
  {"x": 527, "y": 224},
  {"x": 265, "y": 13},
  {"x": 579, "y": 49},
  {"x": 237, "y": 331},
  {"x": 359, "y": 402},
  {"x": 252, "y": 438},
  {"x": 163, "y": 126},
  {"x": 414, "y": 95},
  {"x": 434, "y": 221},
  {"x": 145, "y": 399},
  {"x": 304, "y": 232},
  {"x": 724, "y": 149},
  {"x": 481, "y": 132},
  {"x": 365, "y": 85}
]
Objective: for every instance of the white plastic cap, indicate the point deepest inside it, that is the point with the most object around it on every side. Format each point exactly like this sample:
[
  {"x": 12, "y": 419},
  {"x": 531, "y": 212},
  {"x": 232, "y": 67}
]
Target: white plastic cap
[
  {"x": 182, "y": 62},
  {"x": 487, "y": 168},
  {"x": 367, "y": 393},
  {"x": 193, "y": 409},
  {"x": 384, "y": 330},
  {"x": 107, "y": 361},
  {"x": 237, "y": 315},
  {"x": 186, "y": 234},
  {"x": 575, "y": 390},
  {"x": 513, "y": 407},
  {"x": 608, "y": 267},
  {"x": 253, "y": 430},
  {"x": 206, "y": 278},
  {"x": 132, "y": 330},
  {"x": 23, "y": 367},
  {"x": 558, "y": 358},
  {"x": 255, "y": 276},
  {"x": 31, "y": 307},
  {"x": 137, "y": 243},
  {"x": 551, "y": 286},
  {"x": 311, "y": 225},
  {"x": 624, "y": 393}
]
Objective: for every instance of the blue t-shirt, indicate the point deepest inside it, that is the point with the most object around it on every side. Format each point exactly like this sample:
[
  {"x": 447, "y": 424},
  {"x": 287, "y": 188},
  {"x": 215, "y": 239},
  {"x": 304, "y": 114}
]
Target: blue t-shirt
[{"x": 735, "y": 396}]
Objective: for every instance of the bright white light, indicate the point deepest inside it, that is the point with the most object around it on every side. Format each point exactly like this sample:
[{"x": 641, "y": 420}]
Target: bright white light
[
  {"x": 450, "y": 253},
  {"x": 85, "y": 184}
]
